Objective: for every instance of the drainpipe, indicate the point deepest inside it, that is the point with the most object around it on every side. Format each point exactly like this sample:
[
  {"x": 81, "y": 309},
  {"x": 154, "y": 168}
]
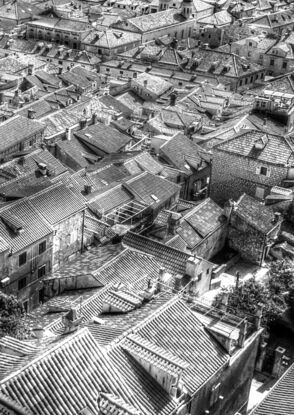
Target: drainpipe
[{"x": 83, "y": 224}]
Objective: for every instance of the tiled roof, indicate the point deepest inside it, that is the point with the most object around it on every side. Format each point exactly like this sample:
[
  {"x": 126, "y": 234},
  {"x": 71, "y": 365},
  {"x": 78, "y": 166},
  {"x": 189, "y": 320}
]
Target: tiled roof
[
  {"x": 146, "y": 350},
  {"x": 280, "y": 399},
  {"x": 151, "y": 189},
  {"x": 176, "y": 329},
  {"x": 110, "y": 404},
  {"x": 111, "y": 38},
  {"x": 66, "y": 379},
  {"x": 34, "y": 227},
  {"x": 277, "y": 150},
  {"x": 205, "y": 217},
  {"x": 130, "y": 268},
  {"x": 152, "y": 398},
  {"x": 155, "y": 84},
  {"x": 172, "y": 259},
  {"x": 114, "y": 325},
  {"x": 57, "y": 203},
  {"x": 15, "y": 130},
  {"x": 175, "y": 150},
  {"x": 145, "y": 162},
  {"x": 104, "y": 138},
  {"x": 154, "y": 21},
  {"x": 109, "y": 199},
  {"x": 255, "y": 213}
]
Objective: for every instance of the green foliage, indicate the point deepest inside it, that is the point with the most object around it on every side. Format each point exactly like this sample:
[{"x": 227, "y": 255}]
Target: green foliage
[
  {"x": 275, "y": 295},
  {"x": 11, "y": 311}
]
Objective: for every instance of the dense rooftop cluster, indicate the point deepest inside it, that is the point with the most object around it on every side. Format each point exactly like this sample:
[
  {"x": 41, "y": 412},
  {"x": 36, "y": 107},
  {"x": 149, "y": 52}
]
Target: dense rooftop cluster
[{"x": 146, "y": 151}]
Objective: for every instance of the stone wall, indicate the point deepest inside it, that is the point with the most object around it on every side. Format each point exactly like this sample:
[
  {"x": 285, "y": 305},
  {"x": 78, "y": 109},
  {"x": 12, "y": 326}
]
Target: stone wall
[{"x": 232, "y": 175}]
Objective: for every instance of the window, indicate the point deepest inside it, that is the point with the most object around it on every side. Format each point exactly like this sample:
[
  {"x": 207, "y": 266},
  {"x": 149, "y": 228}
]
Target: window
[
  {"x": 25, "y": 306},
  {"x": 42, "y": 247},
  {"x": 200, "y": 276},
  {"x": 22, "y": 283},
  {"x": 250, "y": 43},
  {"x": 263, "y": 171},
  {"x": 42, "y": 271},
  {"x": 272, "y": 62},
  {"x": 121, "y": 72},
  {"x": 22, "y": 259},
  {"x": 207, "y": 271},
  {"x": 284, "y": 65}
]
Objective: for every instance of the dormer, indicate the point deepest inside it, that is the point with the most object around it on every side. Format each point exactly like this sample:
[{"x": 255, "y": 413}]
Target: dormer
[
  {"x": 162, "y": 365},
  {"x": 12, "y": 222},
  {"x": 120, "y": 301},
  {"x": 261, "y": 142},
  {"x": 109, "y": 404}
]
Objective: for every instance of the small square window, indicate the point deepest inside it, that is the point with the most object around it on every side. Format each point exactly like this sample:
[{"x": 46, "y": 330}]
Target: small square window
[
  {"x": 22, "y": 259},
  {"x": 42, "y": 247},
  {"x": 263, "y": 171},
  {"x": 22, "y": 283},
  {"x": 42, "y": 271}
]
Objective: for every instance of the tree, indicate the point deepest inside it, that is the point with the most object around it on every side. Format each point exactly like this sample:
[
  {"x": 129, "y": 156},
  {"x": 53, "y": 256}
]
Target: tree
[
  {"x": 11, "y": 311},
  {"x": 245, "y": 299}
]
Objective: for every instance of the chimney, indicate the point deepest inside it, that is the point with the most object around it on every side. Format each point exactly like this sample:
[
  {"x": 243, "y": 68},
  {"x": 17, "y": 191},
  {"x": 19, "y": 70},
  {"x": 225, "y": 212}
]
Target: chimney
[
  {"x": 224, "y": 301},
  {"x": 277, "y": 217},
  {"x": 94, "y": 118},
  {"x": 173, "y": 99},
  {"x": 278, "y": 362},
  {"x": 42, "y": 168},
  {"x": 242, "y": 333},
  {"x": 87, "y": 189},
  {"x": 173, "y": 222},
  {"x": 258, "y": 316},
  {"x": 71, "y": 321},
  {"x": 31, "y": 114},
  {"x": 1, "y": 98},
  {"x": 178, "y": 283},
  {"x": 160, "y": 280},
  {"x": 193, "y": 267},
  {"x": 145, "y": 83},
  {"x": 68, "y": 133},
  {"x": 83, "y": 123},
  {"x": 31, "y": 69}
]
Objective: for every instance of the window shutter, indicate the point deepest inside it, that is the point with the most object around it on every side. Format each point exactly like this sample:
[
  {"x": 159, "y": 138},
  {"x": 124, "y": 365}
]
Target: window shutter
[{"x": 257, "y": 170}]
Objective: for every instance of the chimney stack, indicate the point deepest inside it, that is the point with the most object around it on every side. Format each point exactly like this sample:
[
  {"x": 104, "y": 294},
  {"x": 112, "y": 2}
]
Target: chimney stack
[
  {"x": 87, "y": 189},
  {"x": 277, "y": 217},
  {"x": 173, "y": 222},
  {"x": 31, "y": 114},
  {"x": 31, "y": 69},
  {"x": 83, "y": 123},
  {"x": 68, "y": 133},
  {"x": 94, "y": 118},
  {"x": 145, "y": 83}
]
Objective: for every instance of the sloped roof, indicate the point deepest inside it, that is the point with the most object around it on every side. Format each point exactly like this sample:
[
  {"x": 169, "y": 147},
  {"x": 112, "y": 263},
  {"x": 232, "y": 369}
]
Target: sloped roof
[
  {"x": 175, "y": 150},
  {"x": 57, "y": 203},
  {"x": 17, "y": 129},
  {"x": 277, "y": 150},
  {"x": 151, "y": 189},
  {"x": 34, "y": 227},
  {"x": 205, "y": 217},
  {"x": 172, "y": 259},
  {"x": 104, "y": 137},
  {"x": 19, "y": 10},
  {"x": 48, "y": 384},
  {"x": 177, "y": 330},
  {"x": 255, "y": 213},
  {"x": 154, "y": 21},
  {"x": 130, "y": 268},
  {"x": 280, "y": 399}
]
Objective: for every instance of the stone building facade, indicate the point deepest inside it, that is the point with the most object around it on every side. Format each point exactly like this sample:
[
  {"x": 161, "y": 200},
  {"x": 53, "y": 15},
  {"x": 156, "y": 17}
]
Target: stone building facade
[{"x": 252, "y": 163}]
